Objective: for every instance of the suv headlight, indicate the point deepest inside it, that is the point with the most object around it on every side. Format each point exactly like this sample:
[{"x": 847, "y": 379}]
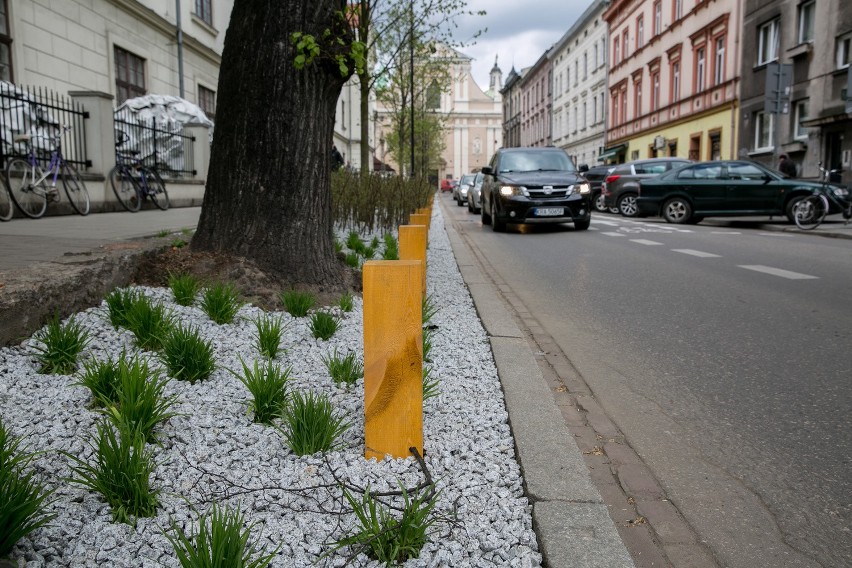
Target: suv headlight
[
  {"x": 464, "y": 190},
  {"x": 510, "y": 190},
  {"x": 583, "y": 188}
]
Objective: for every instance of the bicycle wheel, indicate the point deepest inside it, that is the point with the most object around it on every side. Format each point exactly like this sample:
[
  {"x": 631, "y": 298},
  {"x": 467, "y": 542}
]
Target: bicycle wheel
[
  {"x": 810, "y": 211},
  {"x": 7, "y": 208},
  {"x": 157, "y": 189},
  {"x": 126, "y": 188},
  {"x": 30, "y": 199},
  {"x": 75, "y": 189}
]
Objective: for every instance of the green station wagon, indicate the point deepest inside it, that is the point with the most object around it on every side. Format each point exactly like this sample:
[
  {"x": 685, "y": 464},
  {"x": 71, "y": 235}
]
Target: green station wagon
[{"x": 726, "y": 188}]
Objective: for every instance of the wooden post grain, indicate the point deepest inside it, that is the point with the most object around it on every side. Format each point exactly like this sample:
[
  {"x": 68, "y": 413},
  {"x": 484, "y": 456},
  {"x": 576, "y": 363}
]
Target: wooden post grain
[
  {"x": 412, "y": 246},
  {"x": 419, "y": 219},
  {"x": 393, "y": 358}
]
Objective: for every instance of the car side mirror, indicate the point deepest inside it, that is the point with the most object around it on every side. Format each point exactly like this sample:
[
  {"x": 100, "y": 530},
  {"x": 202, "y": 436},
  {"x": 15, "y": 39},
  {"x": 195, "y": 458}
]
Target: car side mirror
[
  {"x": 584, "y": 168},
  {"x": 487, "y": 170}
]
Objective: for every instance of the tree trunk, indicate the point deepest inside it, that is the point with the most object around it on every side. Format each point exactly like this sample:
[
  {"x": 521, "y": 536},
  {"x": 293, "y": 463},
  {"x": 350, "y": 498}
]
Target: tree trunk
[{"x": 268, "y": 195}]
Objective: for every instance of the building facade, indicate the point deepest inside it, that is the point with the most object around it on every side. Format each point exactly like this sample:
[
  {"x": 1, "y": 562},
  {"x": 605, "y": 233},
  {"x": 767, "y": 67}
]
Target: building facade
[
  {"x": 813, "y": 38},
  {"x": 511, "y": 94},
  {"x": 580, "y": 86},
  {"x": 674, "y": 77},
  {"x": 536, "y": 103},
  {"x": 347, "y": 125}
]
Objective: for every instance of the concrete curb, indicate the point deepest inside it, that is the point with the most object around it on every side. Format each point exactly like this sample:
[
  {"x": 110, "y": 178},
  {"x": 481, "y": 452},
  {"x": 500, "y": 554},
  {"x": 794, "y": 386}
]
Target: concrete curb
[{"x": 571, "y": 521}]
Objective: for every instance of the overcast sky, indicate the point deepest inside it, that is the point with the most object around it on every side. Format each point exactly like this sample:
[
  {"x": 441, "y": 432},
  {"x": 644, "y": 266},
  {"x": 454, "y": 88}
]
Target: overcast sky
[{"x": 518, "y": 32}]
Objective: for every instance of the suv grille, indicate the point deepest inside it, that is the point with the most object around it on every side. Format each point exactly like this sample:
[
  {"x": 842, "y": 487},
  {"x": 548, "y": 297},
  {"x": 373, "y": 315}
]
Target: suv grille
[{"x": 538, "y": 192}]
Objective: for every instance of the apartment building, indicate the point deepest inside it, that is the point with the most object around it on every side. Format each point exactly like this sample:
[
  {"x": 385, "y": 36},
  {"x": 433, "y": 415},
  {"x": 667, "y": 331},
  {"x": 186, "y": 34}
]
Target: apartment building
[
  {"x": 579, "y": 87},
  {"x": 511, "y": 93},
  {"x": 674, "y": 78},
  {"x": 536, "y": 103},
  {"x": 813, "y": 39}
]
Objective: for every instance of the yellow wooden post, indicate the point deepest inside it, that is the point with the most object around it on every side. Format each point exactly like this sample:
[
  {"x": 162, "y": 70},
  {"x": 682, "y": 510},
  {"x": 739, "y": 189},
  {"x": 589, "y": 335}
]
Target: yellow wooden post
[
  {"x": 393, "y": 358},
  {"x": 419, "y": 219},
  {"x": 412, "y": 246}
]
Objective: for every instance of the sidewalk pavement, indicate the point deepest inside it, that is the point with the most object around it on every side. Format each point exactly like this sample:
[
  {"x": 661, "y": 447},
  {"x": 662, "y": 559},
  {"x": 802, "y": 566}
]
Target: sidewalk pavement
[{"x": 572, "y": 522}]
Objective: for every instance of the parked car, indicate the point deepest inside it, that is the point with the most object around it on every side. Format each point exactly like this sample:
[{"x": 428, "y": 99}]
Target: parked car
[
  {"x": 724, "y": 188},
  {"x": 460, "y": 191},
  {"x": 447, "y": 184},
  {"x": 474, "y": 198},
  {"x": 595, "y": 176},
  {"x": 621, "y": 186},
  {"x": 534, "y": 185}
]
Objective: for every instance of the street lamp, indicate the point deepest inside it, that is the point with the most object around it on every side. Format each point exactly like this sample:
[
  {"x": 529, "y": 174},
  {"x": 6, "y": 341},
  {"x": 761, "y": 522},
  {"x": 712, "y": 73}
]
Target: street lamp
[{"x": 411, "y": 82}]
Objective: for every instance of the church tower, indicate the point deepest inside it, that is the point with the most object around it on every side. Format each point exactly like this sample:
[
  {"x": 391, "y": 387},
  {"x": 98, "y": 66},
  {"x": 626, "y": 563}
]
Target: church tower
[{"x": 496, "y": 78}]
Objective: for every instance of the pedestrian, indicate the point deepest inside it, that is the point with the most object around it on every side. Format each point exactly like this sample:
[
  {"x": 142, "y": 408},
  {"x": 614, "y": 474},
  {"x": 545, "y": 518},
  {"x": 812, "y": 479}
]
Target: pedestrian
[
  {"x": 786, "y": 166},
  {"x": 336, "y": 158}
]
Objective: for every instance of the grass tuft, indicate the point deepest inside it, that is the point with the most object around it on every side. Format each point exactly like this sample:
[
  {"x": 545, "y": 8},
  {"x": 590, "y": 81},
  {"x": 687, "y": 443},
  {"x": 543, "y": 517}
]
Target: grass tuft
[
  {"x": 344, "y": 370},
  {"x": 268, "y": 386},
  {"x": 61, "y": 344},
  {"x": 352, "y": 260},
  {"x": 102, "y": 378},
  {"x": 324, "y": 325},
  {"x": 23, "y": 498},
  {"x": 346, "y": 302},
  {"x": 430, "y": 384},
  {"x": 184, "y": 288},
  {"x": 221, "y": 302},
  {"x": 391, "y": 538},
  {"x": 269, "y": 330},
  {"x": 141, "y": 402},
  {"x": 298, "y": 304},
  {"x": 310, "y": 424},
  {"x": 354, "y": 242},
  {"x": 187, "y": 356},
  {"x": 391, "y": 251},
  {"x": 149, "y": 323},
  {"x": 119, "y": 302},
  {"x": 223, "y": 541},
  {"x": 120, "y": 471}
]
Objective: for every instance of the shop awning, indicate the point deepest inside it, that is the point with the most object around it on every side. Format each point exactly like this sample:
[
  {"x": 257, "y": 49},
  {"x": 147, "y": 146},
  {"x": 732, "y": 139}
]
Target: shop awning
[{"x": 612, "y": 152}]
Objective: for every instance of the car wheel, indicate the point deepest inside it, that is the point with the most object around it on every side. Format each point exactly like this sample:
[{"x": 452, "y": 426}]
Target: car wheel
[
  {"x": 600, "y": 203},
  {"x": 677, "y": 210},
  {"x": 486, "y": 218},
  {"x": 459, "y": 202},
  {"x": 582, "y": 224},
  {"x": 627, "y": 205},
  {"x": 497, "y": 224},
  {"x": 613, "y": 210},
  {"x": 790, "y": 210}
]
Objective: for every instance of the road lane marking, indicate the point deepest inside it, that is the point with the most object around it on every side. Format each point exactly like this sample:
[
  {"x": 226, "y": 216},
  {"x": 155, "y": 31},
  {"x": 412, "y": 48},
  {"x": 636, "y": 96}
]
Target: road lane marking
[
  {"x": 697, "y": 253},
  {"x": 610, "y": 223},
  {"x": 645, "y": 242},
  {"x": 725, "y": 233},
  {"x": 778, "y": 272},
  {"x": 774, "y": 235},
  {"x": 613, "y": 234}
]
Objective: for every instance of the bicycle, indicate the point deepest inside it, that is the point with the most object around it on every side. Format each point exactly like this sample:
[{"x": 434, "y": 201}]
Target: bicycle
[
  {"x": 132, "y": 182},
  {"x": 810, "y": 212},
  {"x": 31, "y": 187},
  {"x": 7, "y": 208}
]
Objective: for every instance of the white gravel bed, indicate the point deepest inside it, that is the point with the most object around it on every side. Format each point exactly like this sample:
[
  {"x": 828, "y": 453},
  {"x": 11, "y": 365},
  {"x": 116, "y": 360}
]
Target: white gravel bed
[{"x": 215, "y": 451}]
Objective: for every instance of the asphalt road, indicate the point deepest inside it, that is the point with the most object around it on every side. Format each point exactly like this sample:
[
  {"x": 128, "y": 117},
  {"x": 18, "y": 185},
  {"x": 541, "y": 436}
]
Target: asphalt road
[{"x": 723, "y": 354}]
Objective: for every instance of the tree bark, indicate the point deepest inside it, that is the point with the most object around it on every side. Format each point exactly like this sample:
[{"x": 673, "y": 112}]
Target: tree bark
[{"x": 268, "y": 196}]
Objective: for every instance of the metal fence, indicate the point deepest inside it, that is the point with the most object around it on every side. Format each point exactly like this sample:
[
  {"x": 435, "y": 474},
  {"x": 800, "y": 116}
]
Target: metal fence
[
  {"x": 42, "y": 114},
  {"x": 160, "y": 145}
]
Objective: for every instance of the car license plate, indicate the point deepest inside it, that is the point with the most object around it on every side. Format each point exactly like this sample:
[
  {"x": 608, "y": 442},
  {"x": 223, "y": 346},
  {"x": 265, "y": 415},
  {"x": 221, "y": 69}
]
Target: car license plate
[{"x": 549, "y": 211}]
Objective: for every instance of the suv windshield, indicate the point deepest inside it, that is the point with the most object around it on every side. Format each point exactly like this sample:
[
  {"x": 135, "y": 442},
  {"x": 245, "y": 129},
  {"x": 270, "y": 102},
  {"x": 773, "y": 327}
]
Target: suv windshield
[{"x": 532, "y": 161}]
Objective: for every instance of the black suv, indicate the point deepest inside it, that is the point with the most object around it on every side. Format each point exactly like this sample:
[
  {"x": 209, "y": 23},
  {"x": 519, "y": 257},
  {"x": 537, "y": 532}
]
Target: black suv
[{"x": 534, "y": 185}]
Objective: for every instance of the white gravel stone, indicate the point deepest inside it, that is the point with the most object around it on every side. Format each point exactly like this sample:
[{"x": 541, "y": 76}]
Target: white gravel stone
[{"x": 213, "y": 450}]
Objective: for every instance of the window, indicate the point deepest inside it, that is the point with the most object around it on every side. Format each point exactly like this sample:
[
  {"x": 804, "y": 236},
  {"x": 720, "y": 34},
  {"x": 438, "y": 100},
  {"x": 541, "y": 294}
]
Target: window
[
  {"x": 624, "y": 105},
  {"x": 675, "y": 90},
  {"x": 806, "y": 21},
  {"x": 800, "y": 132},
  {"x": 640, "y": 32},
  {"x": 616, "y": 51},
  {"x": 595, "y": 109},
  {"x": 207, "y": 101},
  {"x": 575, "y": 120},
  {"x": 677, "y": 11},
  {"x": 767, "y": 42},
  {"x": 615, "y": 108},
  {"x": 655, "y": 95},
  {"x": 585, "y": 110},
  {"x": 745, "y": 171},
  {"x": 637, "y": 98},
  {"x": 763, "y": 130},
  {"x": 842, "y": 50},
  {"x": 203, "y": 9},
  {"x": 129, "y": 75},
  {"x": 576, "y": 71},
  {"x": 699, "y": 70},
  {"x": 5, "y": 44},
  {"x": 658, "y": 17},
  {"x": 719, "y": 62},
  {"x": 585, "y": 65},
  {"x": 596, "y": 65},
  {"x": 625, "y": 38}
]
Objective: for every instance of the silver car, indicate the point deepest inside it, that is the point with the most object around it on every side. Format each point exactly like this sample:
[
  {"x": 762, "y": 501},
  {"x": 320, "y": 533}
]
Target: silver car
[
  {"x": 474, "y": 194},
  {"x": 460, "y": 191}
]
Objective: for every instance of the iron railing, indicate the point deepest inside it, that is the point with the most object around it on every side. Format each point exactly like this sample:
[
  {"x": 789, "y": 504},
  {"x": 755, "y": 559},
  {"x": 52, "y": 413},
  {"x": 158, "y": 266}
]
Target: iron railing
[
  {"x": 163, "y": 146},
  {"x": 43, "y": 114}
]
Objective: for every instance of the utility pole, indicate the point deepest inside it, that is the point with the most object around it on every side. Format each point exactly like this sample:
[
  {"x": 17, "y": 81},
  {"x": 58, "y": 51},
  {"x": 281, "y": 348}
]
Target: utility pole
[
  {"x": 179, "y": 49},
  {"x": 411, "y": 83}
]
